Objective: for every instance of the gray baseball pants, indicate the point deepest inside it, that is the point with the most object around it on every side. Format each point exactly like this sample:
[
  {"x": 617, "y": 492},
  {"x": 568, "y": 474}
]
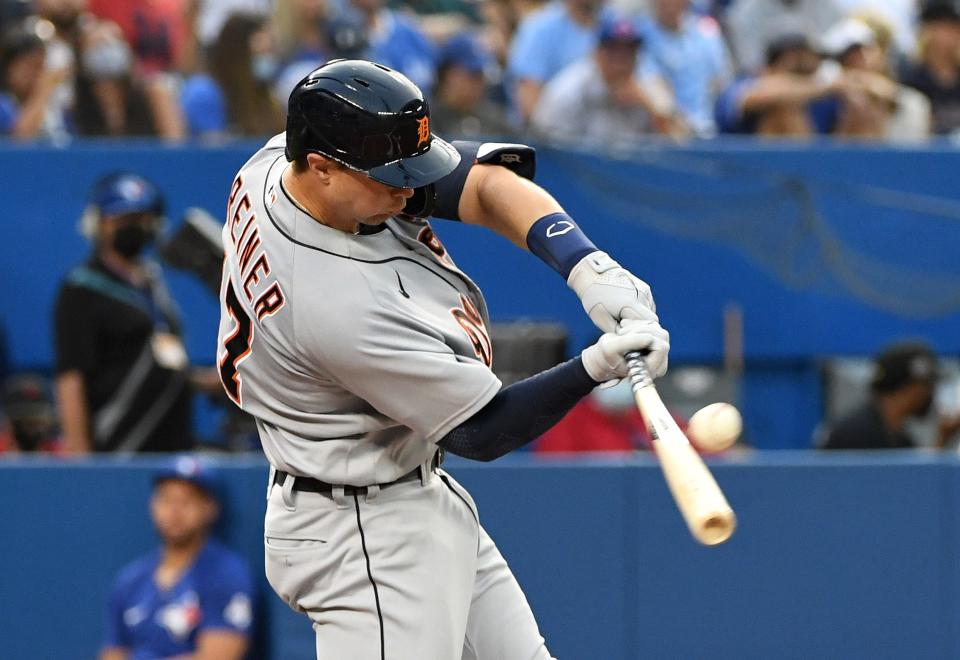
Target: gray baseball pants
[{"x": 403, "y": 572}]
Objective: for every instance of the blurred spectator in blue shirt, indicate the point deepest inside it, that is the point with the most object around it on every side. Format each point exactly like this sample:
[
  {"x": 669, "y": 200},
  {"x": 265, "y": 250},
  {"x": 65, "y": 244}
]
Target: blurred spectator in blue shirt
[
  {"x": 786, "y": 98},
  {"x": 461, "y": 107},
  {"x": 937, "y": 73},
  {"x": 600, "y": 100},
  {"x": 546, "y": 42},
  {"x": 27, "y": 87},
  {"x": 236, "y": 95},
  {"x": 395, "y": 40},
  {"x": 192, "y": 597},
  {"x": 689, "y": 52}
]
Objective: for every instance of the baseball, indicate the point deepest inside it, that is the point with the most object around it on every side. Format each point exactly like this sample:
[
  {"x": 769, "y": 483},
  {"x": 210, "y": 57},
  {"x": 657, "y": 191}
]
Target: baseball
[{"x": 715, "y": 427}]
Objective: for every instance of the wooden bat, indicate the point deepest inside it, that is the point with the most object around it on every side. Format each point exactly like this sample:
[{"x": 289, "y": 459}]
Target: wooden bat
[{"x": 699, "y": 498}]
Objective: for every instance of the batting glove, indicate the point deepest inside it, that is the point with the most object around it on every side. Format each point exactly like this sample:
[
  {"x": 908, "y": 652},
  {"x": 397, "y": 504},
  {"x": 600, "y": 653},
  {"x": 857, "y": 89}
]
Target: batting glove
[
  {"x": 610, "y": 292},
  {"x": 604, "y": 361}
]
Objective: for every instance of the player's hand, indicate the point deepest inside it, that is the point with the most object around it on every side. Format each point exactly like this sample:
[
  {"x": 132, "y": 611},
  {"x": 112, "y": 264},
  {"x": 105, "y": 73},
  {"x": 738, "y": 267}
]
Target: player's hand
[
  {"x": 604, "y": 361},
  {"x": 609, "y": 292}
]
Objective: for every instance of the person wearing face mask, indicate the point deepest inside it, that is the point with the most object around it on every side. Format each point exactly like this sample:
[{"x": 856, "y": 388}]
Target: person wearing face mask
[
  {"x": 110, "y": 99},
  {"x": 902, "y": 387},
  {"x": 122, "y": 380},
  {"x": 236, "y": 96}
]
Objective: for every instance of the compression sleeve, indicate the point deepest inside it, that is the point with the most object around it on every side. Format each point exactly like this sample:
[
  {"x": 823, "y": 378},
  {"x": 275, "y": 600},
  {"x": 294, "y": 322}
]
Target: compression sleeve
[{"x": 520, "y": 412}]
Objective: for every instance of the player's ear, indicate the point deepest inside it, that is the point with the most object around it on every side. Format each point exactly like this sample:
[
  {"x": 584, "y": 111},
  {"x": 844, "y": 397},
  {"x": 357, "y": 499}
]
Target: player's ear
[{"x": 321, "y": 166}]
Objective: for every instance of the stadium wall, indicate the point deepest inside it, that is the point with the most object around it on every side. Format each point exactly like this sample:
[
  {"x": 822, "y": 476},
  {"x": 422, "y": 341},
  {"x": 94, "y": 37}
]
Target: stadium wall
[
  {"x": 826, "y": 249},
  {"x": 836, "y": 557}
]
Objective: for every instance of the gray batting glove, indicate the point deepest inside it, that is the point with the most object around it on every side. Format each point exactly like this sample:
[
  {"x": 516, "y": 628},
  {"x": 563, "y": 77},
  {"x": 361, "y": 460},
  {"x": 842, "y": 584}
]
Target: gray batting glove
[
  {"x": 610, "y": 292},
  {"x": 604, "y": 361}
]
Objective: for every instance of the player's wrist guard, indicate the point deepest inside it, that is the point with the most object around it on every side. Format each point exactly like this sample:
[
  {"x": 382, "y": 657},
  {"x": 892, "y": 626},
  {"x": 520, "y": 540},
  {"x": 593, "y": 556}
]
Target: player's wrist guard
[{"x": 558, "y": 241}]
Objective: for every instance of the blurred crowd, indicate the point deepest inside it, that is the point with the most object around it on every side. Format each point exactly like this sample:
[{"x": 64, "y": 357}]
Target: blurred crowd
[{"x": 601, "y": 72}]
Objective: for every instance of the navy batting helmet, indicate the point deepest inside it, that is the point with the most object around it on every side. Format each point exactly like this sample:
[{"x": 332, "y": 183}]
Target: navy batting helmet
[
  {"x": 118, "y": 194},
  {"x": 369, "y": 118}
]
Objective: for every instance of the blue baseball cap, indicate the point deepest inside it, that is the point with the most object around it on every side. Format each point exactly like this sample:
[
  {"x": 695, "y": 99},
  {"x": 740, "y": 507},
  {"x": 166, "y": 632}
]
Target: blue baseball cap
[
  {"x": 466, "y": 51},
  {"x": 126, "y": 192},
  {"x": 619, "y": 29},
  {"x": 191, "y": 469}
]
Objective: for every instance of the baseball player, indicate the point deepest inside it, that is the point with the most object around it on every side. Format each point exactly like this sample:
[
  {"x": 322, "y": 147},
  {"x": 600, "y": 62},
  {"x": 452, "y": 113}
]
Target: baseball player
[
  {"x": 349, "y": 333},
  {"x": 190, "y": 598}
]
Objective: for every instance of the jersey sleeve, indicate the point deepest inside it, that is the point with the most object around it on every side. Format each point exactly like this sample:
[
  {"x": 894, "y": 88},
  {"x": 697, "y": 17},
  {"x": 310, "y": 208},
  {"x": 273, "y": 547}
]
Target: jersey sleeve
[
  {"x": 401, "y": 366},
  {"x": 115, "y": 632},
  {"x": 227, "y": 603},
  {"x": 74, "y": 332}
]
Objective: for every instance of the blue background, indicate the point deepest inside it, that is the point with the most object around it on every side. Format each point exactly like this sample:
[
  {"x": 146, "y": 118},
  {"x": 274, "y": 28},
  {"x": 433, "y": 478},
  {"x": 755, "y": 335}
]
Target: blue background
[
  {"x": 698, "y": 222},
  {"x": 842, "y": 557}
]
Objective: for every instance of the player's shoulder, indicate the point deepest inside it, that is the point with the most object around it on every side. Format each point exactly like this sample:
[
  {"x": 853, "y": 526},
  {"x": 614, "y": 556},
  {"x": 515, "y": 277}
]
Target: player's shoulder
[
  {"x": 268, "y": 153},
  {"x": 136, "y": 572},
  {"x": 224, "y": 564}
]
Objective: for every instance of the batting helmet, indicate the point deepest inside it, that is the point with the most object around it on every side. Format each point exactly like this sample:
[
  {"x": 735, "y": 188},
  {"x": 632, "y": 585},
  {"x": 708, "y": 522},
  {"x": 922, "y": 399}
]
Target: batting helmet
[
  {"x": 369, "y": 118},
  {"x": 120, "y": 193}
]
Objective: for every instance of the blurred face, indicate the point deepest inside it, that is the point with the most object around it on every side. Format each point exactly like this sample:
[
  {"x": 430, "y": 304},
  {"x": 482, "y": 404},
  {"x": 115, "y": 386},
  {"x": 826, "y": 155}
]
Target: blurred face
[
  {"x": 669, "y": 12},
  {"x": 181, "y": 512},
  {"x": 368, "y": 6},
  {"x": 62, "y": 13},
  {"x": 617, "y": 60},
  {"x": 942, "y": 36},
  {"x": 921, "y": 396},
  {"x": 864, "y": 58},
  {"x": 462, "y": 88},
  {"x": 129, "y": 234},
  {"x": 24, "y": 72},
  {"x": 800, "y": 61}
]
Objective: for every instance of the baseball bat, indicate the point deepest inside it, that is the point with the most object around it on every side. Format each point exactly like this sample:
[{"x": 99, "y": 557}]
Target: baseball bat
[{"x": 699, "y": 498}]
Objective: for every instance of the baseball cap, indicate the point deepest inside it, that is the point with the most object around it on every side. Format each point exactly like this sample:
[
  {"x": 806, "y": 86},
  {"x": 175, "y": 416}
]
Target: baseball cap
[
  {"x": 618, "y": 30},
  {"x": 845, "y": 35},
  {"x": 126, "y": 192},
  {"x": 939, "y": 10},
  {"x": 784, "y": 43},
  {"x": 466, "y": 51},
  {"x": 191, "y": 469},
  {"x": 903, "y": 363}
]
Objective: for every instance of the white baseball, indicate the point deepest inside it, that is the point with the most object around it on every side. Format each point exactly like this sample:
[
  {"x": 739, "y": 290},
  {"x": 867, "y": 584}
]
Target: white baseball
[{"x": 715, "y": 427}]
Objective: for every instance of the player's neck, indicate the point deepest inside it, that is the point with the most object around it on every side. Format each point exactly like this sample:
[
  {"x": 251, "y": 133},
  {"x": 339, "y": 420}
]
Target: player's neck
[
  {"x": 129, "y": 269},
  {"x": 176, "y": 557},
  {"x": 894, "y": 414},
  {"x": 311, "y": 203}
]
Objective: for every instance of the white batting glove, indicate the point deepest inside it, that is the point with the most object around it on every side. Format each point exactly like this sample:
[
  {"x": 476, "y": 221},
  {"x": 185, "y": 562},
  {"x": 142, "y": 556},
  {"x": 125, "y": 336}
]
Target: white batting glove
[
  {"x": 609, "y": 292},
  {"x": 604, "y": 361}
]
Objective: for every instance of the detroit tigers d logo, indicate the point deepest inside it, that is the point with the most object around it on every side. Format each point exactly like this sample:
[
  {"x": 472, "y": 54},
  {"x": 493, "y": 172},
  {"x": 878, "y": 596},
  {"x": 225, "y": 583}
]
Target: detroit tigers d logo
[{"x": 423, "y": 131}]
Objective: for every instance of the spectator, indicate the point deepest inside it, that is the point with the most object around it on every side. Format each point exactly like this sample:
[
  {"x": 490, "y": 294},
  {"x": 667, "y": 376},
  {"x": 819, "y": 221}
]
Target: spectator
[
  {"x": 122, "y": 380},
  {"x": 883, "y": 109},
  {"x": 897, "y": 15},
  {"x": 547, "y": 41},
  {"x": 902, "y": 387},
  {"x": 191, "y": 597},
  {"x": 28, "y": 406},
  {"x": 755, "y": 23},
  {"x": 786, "y": 98},
  {"x": 599, "y": 100},
  {"x": 302, "y": 27},
  {"x": 605, "y": 421},
  {"x": 156, "y": 31},
  {"x": 689, "y": 52},
  {"x": 111, "y": 100},
  {"x": 395, "y": 40},
  {"x": 937, "y": 72},
  {"x": 236, "y": 96},
  {"x": 28, "y": 87},
  {"x": 461, "y": 108}
]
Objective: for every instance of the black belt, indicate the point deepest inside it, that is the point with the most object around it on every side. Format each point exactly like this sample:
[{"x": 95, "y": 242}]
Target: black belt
[{"x": 311, "y": 485}]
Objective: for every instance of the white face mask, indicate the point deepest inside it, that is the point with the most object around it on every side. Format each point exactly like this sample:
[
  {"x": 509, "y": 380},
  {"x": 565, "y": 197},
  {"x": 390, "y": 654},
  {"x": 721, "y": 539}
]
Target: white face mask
[
  {"x": 109, "y": 59},
  {"x": 616, "y": 399}
]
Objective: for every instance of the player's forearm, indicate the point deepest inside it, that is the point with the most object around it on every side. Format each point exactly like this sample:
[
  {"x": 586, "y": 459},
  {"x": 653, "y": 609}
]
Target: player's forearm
[
  {"x": 520, "y": 413},
  {"x": 504, "y": 202},
  {"x": 74, "y": 416}
]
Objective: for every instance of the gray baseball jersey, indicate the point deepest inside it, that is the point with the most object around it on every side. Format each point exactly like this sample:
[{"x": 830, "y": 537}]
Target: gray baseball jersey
[{"x": 356, "y": 353}]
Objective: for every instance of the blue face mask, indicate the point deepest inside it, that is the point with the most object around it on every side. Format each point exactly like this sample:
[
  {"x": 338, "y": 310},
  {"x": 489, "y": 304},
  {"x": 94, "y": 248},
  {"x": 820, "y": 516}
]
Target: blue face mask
[
  {"x": 616, "y": 399},
  {"x": 264, "y": 67}
]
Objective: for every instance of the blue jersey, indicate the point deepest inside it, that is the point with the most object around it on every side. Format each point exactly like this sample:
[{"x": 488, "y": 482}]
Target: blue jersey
[{"x": 215, "y": 593}]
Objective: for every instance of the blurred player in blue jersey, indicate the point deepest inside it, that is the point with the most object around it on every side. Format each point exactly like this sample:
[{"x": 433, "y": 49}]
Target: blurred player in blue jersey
[{"x": 192, "y": 597}]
